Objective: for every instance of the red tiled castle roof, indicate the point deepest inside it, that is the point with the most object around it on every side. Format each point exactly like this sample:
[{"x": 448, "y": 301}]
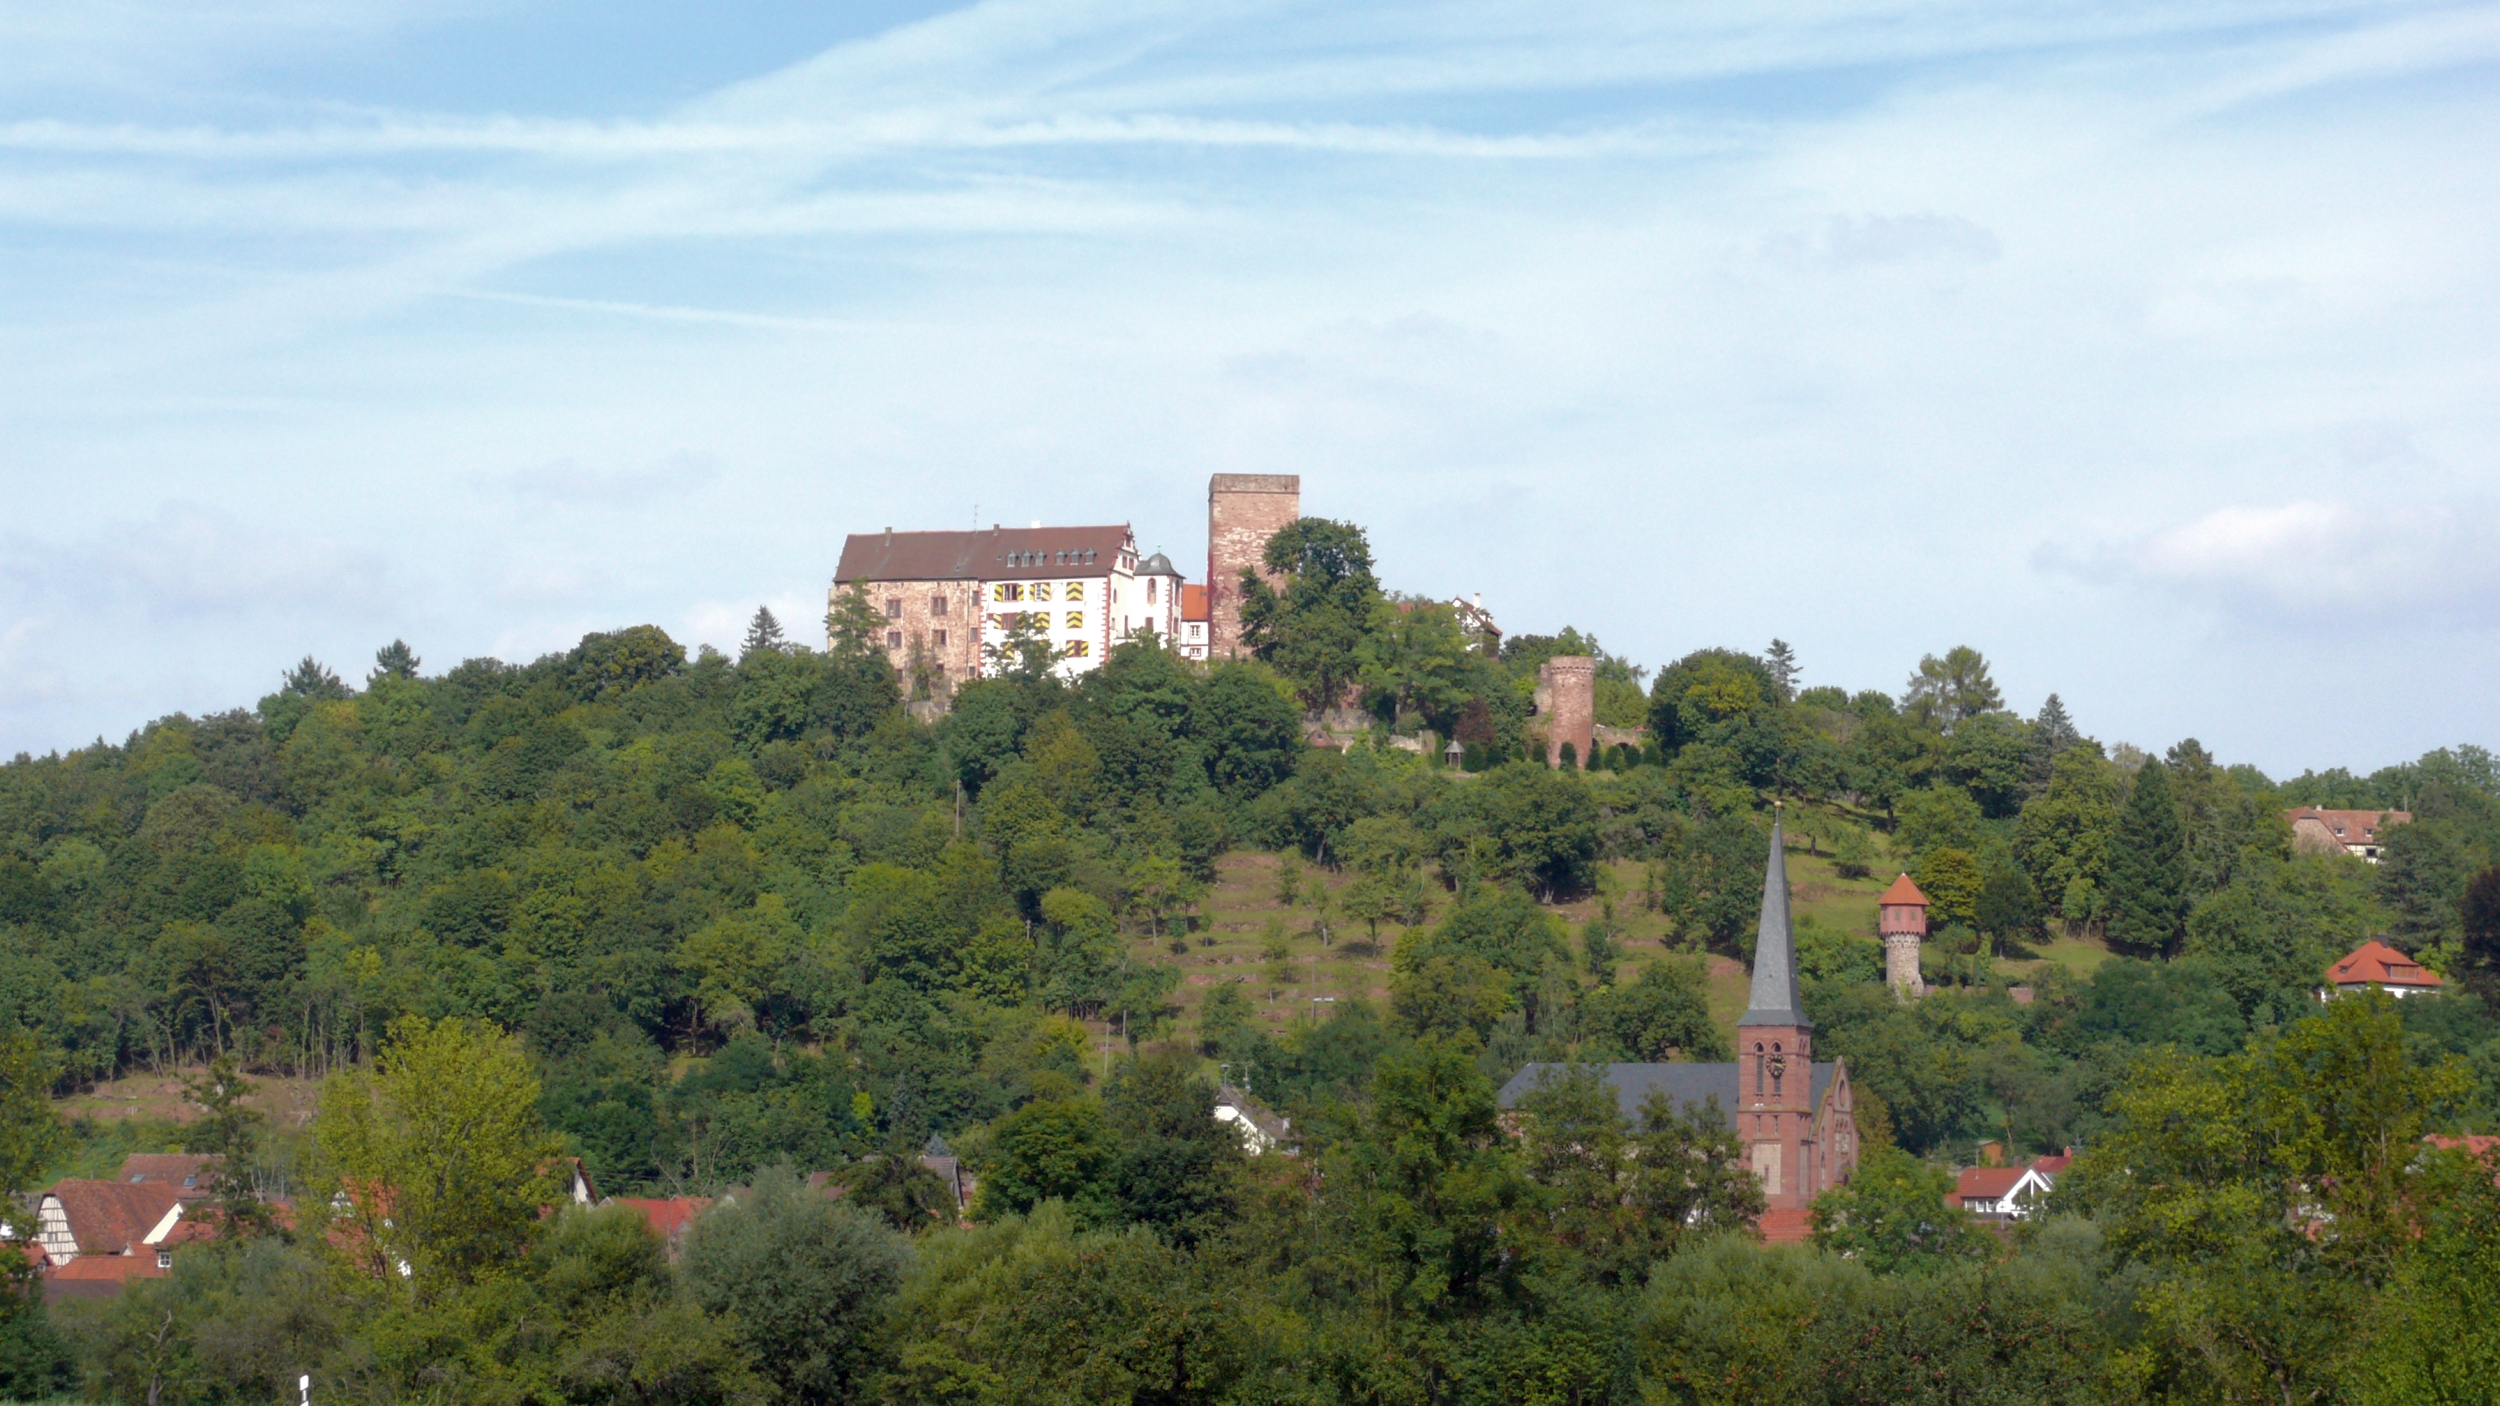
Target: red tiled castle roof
[{"x": 1902, "y": 894}]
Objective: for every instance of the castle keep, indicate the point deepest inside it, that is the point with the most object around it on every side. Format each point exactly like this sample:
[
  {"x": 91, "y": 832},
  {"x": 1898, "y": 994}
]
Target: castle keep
[{"x": 1243, "y": 511}]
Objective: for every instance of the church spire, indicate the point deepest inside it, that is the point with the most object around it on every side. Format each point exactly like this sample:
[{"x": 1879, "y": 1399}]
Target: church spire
[{"x": 1775, "y": 947}]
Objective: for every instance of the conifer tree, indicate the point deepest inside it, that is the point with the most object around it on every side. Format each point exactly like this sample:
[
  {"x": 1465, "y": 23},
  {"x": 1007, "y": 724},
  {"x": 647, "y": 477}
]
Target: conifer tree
[
  {"x": 393, "y": 661},
  {"x": 763, "y": 635},
  {"x": 2148, "y": 871},
  {"x": 1783, "y": 664},
  {"x": 313, "y": 679}
]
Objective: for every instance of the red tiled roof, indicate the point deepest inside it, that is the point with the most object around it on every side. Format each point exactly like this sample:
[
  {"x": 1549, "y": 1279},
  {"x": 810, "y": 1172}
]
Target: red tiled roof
[
  {"x": 2375, "y": 961},
  {"x": 1193, "y": 602},
  {"x": 1002, "y": 553},
  {"x": 668, "y": 1217},
  {"x": 108, "y": 1217},
  {"x": 187, "y": 1172},
  {"x": 1986, "y": 1183},
  {"x": 1903, "y": 893},
  {"x": 1789, "y": 1225},
  {"x": 2051, "y": 1166},
  {"x": 2479, "y": 1144},
  {"x": 2352, "y": 827},
  {"x": 113, "y": 1268}
]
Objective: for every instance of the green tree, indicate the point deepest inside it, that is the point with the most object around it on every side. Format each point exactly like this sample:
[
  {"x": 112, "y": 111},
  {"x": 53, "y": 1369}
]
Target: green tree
[
  {"x": 853, "y": 624},
  {"x": 1312, "y": 631},
  {"x": 1953, "y": 883},
  {"x": 2065, "y": 836},
  {"x": 2266, "y": 1194},
  {"x": 763, "y": 635},
  {"x": 393, "y": 661},
  {"x": 1621, "y": 1195},
  {"x": 2434, "y": 1332},
  {"x": 440, "y": 1152},
  {"x": 2148, "y": 895},
  {"x": 230, "y": 1132},
  {"x": 1663, "y": 1014},
  {"x": 1052, "y": 1150},
  {"x": 800, "y": 1282},
  {"x": 1946, "y": 691},
  {"x": 1175, "y": 1167},
  {"x": 1891, "y": 1216},
  {"x": 34, "y": 1362}
]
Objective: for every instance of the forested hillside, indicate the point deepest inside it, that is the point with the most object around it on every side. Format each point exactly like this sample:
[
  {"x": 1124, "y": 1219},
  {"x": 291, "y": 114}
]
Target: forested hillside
[{"x": 744, "y": 919}]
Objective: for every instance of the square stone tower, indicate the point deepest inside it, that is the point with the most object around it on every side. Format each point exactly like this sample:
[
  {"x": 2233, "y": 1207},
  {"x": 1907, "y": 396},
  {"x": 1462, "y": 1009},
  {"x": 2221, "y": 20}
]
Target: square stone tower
[
  {"x": 1243, "y": 511},
  {"x": 1566, "y": 697}
]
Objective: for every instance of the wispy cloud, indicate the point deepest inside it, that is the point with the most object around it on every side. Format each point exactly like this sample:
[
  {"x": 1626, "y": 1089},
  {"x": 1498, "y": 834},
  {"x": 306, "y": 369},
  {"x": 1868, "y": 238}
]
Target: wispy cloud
[{"x": 2315, "y": 563}]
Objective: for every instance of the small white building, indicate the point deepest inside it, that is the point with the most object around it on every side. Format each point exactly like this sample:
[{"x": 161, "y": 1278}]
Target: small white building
[
  {"x": 1194, "y": 623},
  {"x": 1261, "y": 1130}
]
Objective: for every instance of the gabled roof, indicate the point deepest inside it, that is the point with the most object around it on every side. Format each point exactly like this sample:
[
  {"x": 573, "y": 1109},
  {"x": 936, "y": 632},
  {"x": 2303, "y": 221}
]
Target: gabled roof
[
  {"x": 2352, "y": 827},
  {"x": 1685, "y": 1085},
  {"x": 113, "y": 1217},
  {"x": 1988, "y": 1183},
  {"x": 669, "y": 1217},
  {"x": 1902, "y": 894},
  {"x": 2054, "y": 1165},
  {"x": 187, "y": 1172},
  {"x": 1002, "y": 553},
  {"x": 2376, "y": 962},
  {"x": 1774, "y": 1000},
  {"x": 1193, "y": 602}
]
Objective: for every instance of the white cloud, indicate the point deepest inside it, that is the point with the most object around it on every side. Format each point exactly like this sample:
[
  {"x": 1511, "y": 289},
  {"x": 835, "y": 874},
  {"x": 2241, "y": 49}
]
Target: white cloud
[{"x": 2322, "y": 563}]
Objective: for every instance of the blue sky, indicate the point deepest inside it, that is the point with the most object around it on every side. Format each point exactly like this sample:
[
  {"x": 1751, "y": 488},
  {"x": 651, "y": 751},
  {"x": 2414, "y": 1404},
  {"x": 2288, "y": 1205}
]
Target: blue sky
[{"x": 2149, "y": 348}]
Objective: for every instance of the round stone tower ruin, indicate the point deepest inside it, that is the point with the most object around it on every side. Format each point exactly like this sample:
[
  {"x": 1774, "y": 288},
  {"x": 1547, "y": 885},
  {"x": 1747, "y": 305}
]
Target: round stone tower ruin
[
  {"x": 1901, "y": 918},
  {"x": 1566, "y": 701}
]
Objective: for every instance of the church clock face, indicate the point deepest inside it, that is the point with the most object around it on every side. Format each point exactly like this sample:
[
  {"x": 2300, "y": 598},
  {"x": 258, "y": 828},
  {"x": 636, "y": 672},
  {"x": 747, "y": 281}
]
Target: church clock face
[{"x": 1778, "y": 1065}]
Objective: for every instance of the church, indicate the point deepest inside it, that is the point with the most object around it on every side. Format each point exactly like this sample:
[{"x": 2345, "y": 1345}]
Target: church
[{"x": 1792, "y": 1112}]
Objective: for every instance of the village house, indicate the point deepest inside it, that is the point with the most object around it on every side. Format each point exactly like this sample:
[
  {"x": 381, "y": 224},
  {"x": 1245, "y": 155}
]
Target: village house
[
  {"x": 2374, "y": 963},
  {"x": 83, "y": 1216},
  {"x": 2358, "y": 833},
  {"x": 1795, "y": 1115},
  {"x": 1260, "y": 1128}
]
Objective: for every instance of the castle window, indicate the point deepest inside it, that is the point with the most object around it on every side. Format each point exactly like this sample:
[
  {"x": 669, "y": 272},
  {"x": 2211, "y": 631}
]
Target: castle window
[
  {"x": 1150, "y": 590},
  {"x": 1076, "y": 591},
  {"x": 1078, "y": 649},
  {"x": 1006, "y": 590},
  {"x": 941, "y": 639},
  {"x": 894, "y": 639},
  {"x": 1040, "y": 591},
  {"x": 937, "y": 605},
  {"x": 893, "y": 607},
  {"x": 1076, "y": 619}
]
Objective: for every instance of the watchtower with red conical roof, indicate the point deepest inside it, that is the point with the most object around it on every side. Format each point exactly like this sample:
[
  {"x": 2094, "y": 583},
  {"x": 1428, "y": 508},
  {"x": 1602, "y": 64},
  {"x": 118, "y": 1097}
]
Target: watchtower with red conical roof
[{"x": 1901, "y": 918}]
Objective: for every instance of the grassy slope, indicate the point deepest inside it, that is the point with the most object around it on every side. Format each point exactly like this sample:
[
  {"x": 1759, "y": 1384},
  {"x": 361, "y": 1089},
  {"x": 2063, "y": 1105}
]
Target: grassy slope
[{"x": 1244, "y": 901}]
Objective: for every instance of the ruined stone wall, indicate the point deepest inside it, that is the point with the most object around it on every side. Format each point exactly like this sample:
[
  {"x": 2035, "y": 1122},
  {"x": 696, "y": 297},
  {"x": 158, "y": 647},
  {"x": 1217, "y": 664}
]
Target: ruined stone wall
[
  {"x": 1566, "y": 697},
  {"x": 1243, "y": 511}
]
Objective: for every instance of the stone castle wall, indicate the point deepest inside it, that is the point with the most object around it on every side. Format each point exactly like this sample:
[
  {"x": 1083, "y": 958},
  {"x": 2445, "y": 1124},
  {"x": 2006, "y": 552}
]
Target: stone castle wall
[
  {"x": 1566, "y": 700},
  {"x": 1243, "y": 511},
  {"x": 948, "y": 635}
]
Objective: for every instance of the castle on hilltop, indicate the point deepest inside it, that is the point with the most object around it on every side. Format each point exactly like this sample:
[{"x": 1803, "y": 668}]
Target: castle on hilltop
[{"x": 949, "y": 599}]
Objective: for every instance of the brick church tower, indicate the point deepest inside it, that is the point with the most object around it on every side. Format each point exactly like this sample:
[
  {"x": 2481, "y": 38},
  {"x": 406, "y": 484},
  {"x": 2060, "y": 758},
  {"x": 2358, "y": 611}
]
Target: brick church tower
[
  {"x": 1243, "y": 511},
  {"x": 1775, "y": 1093}
]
